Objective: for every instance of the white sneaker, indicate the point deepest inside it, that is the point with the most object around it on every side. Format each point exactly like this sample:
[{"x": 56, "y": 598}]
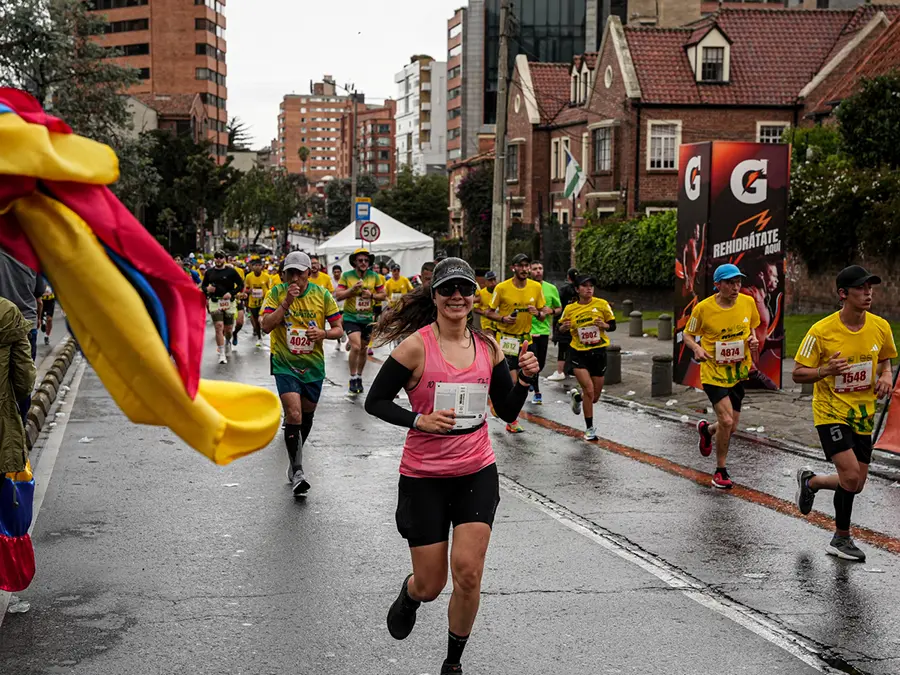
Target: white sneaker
[
  {"x": 576, "y": 398},
  {"x": 223, "y": 358},
  {"x": 556, "y": 377},
  {"x": 259, "y": 343},
  {"x": 590, "y": 434}
]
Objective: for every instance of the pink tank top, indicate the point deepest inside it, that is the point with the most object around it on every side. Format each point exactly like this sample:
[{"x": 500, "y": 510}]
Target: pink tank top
[{"x": 436, "y": 455}]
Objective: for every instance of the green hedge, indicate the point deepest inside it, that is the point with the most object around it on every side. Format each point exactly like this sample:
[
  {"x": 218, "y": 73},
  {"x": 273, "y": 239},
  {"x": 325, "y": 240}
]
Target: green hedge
[{"x": 637, "y": 252}]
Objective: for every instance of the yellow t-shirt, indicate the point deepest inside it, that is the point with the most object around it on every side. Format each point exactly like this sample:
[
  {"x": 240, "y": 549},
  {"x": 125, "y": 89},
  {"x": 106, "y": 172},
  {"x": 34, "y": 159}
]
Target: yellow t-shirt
[
  {"x": 507, "y": 298},
  {"x": 239, "y": 270},
  {"x": 257, "y": 287},
  {"x": 397, "y": 289},
  {"x": 586, "y": 335},
  {"x": 848, "y": 398},
  {"x": 483, "y": 301},
  {"x": 275, "y": 277},
  {"x": 323, "y": 280},
  {"x": 723, "y": 334}
]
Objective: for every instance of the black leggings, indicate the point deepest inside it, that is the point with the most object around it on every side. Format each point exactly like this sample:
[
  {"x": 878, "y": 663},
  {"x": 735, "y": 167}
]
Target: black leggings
[{"x": 539, "y": 344}]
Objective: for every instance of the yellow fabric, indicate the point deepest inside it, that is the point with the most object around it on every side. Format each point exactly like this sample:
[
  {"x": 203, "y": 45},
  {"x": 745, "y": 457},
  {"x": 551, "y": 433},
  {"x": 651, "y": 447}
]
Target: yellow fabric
[
  {"x": 711, "y": 323},
  {"x": 584, "y": 315},
  {"x": 275, "y": 277},
  {"x": 225, "y": 421},
  {"x": 873, "y": 343},
  {"x": 262, "y": 282},
  {"x": 22, "y": 476},
  {"x": 240, "y": 271},
  {"x": 32, "y": 150},
  {"x": 323, "y": 280},
  {"x": 483, "y": 301},
  {"x": 401, "y": 286},
  {"x": 507, "y": 298}
]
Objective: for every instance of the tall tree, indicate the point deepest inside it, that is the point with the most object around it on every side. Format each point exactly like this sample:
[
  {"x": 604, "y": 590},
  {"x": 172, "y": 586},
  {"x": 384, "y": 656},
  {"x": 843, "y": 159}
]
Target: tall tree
[
  {"x": 264, "y": 198},
  {"x": 475, "y": 192},
  {"x": 303, "y": 154},
  {"x": 418, "y": 201},
  {"x": 238, "y": 135}
]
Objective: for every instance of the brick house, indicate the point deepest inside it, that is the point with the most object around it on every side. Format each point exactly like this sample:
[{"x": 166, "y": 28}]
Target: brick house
[{"x": 180, "y": 114}]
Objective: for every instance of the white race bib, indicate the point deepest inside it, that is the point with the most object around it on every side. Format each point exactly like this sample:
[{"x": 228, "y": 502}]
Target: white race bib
[
  {"x": 509, "y": 345},
  {"x": 858, "y": 378},
  {"x": 730, "y": 352},
  {"x": 298, "y": 342},
  {"x": 224, "y": 305},
  {"x": 589, "y": 335},
  {"x": 256, "y": 293},
  {"x": 468, "y": 401},
  {"x": 395, "y": 297},
  {"x": 363, "y": 305}
]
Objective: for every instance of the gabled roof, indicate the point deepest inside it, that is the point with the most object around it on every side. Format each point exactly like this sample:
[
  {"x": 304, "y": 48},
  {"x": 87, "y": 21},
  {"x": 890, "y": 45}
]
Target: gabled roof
[
  {"x": 168, "y": 104},
  {"x": 774, "y": 54},
  {"x": 881, "y": 57},
  {"x": 702, "y": 31},
  {"x": 551, "y": 88}
]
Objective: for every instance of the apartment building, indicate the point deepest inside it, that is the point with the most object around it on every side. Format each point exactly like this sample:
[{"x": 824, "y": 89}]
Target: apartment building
[
  {"x": 312, "y": 121},
  {"x": 178, "y": 48},
  {"x": 421, "y": 121},
  {"x": 375, "y": 142}
]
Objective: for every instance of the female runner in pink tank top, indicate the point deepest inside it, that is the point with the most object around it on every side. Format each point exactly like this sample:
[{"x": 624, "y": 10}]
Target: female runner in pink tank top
[{"x": 447, "y": 474}]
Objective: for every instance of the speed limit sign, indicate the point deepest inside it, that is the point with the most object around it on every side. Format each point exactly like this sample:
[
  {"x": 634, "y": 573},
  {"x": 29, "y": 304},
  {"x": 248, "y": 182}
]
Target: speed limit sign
[{"x": 369, "y": 231}]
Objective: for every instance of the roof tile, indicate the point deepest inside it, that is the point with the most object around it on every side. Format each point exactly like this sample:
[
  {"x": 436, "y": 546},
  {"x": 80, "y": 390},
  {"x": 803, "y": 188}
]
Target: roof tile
[{"x": 551, "y": 88}]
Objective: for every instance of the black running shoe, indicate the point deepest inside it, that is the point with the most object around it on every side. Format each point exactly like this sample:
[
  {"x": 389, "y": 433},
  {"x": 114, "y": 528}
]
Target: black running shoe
[
  {"x": 299, "y": 485},
  {"x": 805, "y": 496},
  {"x": 402, "y": 615},
  {"x": 451, "y": 669},
  {"x": 844, "y": 548}
]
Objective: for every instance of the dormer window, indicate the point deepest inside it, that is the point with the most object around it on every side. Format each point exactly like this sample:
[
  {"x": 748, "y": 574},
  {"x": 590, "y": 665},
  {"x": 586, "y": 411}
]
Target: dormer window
[
  {"x": 576, "y": 88},
  {"x": 585, "y": 84},
  {"x": 713, "y": 65}
]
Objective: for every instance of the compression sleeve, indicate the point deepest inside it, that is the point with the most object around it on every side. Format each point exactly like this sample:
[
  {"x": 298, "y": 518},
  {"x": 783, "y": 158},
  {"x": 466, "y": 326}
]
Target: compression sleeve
[
  {"x": 387, "y": 384},
  {"x": 612, "y": 326},
  {"x": 507, "y": 397}
]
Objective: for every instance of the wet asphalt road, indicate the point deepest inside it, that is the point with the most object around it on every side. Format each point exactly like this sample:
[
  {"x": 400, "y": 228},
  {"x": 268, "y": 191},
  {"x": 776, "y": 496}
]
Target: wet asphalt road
[{"x": 609, "y": 558}]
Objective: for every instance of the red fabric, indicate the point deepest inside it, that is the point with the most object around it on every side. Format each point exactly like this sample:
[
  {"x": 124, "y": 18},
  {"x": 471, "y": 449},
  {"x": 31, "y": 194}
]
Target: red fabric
[
  {"x": 28, "y": 108},
  {"x": 890, "y": 439},
  {"x": 183, "y": 302},
  {"x": 16, "y": 563}
]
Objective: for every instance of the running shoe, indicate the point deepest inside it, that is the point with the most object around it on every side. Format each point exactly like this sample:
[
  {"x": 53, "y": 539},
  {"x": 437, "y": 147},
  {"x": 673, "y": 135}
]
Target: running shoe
[
  {"x": 359, "y": 385},
  {"x": 576, "y": 397},
  {"x": 348, "y": 346},
  {"x": 234, "y": 339},
  {"x": 537, "y": 399},
  {"x": 844, "y": 548},
  {"x": 590, "y": 434},
  {"x": 371, "y": 352},
  {"x": 705, "y": 438},
  {"x": 451, "y": 669},
  {"x": 258, "y": 343},
  {"x": 299, "y": 486},
  {"x": 402, "y": 615},
  {"x": 721, "y": 480},
  {"x": 222, "y": 357},
  {"x": 46, "y": 339},
  {"x": 351, "y": 389},
  {"x": 805, "y": 495},
  {"x": 557, "y": 377},
  {"x": 515, "y": 428}
]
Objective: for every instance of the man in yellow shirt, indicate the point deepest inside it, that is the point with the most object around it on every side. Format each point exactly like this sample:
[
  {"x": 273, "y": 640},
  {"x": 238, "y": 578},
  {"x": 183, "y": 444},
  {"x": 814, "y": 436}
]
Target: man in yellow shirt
[
  {"x": 513, "y": 304},
  {"x": 256, "y": 286},
  {"x": 848, "y": 357},
  {"x": 724, "y": 323},
  {"x": 396, "y": 286},
  {"x": 483, "y": 302},
  {"x": 319, "y": 277}
]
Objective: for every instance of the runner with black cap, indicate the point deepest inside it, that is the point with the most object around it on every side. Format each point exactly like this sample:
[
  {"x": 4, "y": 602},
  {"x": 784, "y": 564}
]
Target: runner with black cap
[
  {"x": 514, "y": 303},
  {"x": 588, "y": 320},
  {"x": 359, "y": 288},
  {"x": 448, "y": 474},
  {"x": 222, "y": 285},
  {"x": 294, "y": 314},
  {"x": 848, "y": 357},
  {"x": 724, "y": 322}
]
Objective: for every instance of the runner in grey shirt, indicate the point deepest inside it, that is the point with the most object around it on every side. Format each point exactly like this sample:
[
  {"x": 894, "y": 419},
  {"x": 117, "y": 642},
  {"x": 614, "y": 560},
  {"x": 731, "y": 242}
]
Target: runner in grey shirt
[{"x": 22, "y": 286}]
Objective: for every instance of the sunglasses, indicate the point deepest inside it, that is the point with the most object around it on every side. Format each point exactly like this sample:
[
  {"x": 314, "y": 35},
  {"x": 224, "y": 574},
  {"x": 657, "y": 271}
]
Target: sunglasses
[{"x": 465, "y": 288}]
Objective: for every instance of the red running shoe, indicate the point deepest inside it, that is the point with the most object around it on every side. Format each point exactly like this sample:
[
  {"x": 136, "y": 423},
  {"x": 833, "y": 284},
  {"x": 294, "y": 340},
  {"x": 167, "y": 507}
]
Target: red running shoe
[
  {"x": 721, "y": 480},
  {"x": 705, "y": 438}
]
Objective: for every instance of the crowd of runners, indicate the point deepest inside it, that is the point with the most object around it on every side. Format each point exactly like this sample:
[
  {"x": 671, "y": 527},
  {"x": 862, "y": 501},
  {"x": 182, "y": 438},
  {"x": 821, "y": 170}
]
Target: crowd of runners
[{"x": 465, "y": 348}]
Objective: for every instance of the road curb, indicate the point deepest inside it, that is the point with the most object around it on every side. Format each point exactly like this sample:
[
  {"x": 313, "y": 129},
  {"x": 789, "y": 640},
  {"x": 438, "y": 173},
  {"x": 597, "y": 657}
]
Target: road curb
[{"x": 47, "y": 391}]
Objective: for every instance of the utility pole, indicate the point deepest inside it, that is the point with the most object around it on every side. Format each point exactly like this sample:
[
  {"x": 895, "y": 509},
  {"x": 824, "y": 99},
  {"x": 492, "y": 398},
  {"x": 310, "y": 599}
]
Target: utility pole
[
  {"x": 498, "y": 253},
  {"x": 354, "y": 165}
]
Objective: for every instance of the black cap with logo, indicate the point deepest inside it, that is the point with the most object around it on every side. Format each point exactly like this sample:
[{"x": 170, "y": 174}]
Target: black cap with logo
[
  {"x": 452, "y": 268},
  {"x": 521, "y": 258},
  {"x": 854, "y": 276}
]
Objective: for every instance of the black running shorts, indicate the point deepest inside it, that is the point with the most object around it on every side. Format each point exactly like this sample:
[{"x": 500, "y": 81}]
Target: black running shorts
[
  {"x": 364, "y": 329},
  {"x": 836, "y": 438},
  {"x": 591, "y": 360},
  {"x": 427, "y": 507},
  {"x": 735, "y": 393}
]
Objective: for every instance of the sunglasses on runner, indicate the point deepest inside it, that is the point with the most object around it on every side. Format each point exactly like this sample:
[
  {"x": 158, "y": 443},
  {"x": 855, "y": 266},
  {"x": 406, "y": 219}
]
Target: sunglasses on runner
[{"x": 465, "y": 289}]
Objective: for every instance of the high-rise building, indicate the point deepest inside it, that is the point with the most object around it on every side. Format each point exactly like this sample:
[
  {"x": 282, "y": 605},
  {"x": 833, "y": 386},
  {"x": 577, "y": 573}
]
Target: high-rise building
[
  {"x": 178, "y": 47},
  {"x": 456, "y": 27},
  {"x": 422, "y": 116},
  {"x": 375, "y": 142},
  {"x": 312, "y": 121}
]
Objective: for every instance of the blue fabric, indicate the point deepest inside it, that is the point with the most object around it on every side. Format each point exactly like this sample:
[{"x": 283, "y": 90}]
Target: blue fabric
[
  {"x": 148, "y": 295},
  {"x": 16, "y": 501},
  {"x": 726, "y": 271},
  {"x": 288, "y": 384},
  {"x": 6, "y": 109}
]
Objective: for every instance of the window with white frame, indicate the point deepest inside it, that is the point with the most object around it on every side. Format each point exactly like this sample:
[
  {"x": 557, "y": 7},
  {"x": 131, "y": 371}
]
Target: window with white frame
[
  {"x": 602, "y": 139},
  {"x": 712, "y": 69},
  {"x": 769, "y": 132},
  {"x": 554, "y": 158},
  {"x": 585, "y": 84},
  {"x": 563, "y": 158},
  {"x": 512, "y": 163},
  {"x": 575, "y": 89},
  {"x": 664, "y": 138},
  {"x": 650, "y": 210}
]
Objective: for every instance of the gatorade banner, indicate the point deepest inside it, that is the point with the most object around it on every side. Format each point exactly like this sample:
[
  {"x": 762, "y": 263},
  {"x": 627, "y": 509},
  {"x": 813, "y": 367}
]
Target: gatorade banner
[
  {"x": 742, "y": 188},
  {"x": 890, "y": 438}
]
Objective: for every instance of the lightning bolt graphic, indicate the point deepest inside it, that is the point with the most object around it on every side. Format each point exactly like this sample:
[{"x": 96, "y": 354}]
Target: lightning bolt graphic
[
  {"x": 762, "y": 219},
  {"x": 751, "y": 179}
]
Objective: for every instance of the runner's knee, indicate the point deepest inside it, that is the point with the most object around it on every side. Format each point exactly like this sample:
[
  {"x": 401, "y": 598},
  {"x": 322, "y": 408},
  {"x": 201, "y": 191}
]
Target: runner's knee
[
  {"x": 428, "y": 588},
  {"x": 467, "y": 575}
]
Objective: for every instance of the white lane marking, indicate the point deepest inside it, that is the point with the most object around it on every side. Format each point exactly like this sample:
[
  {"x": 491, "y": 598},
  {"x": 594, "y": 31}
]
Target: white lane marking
[
  {"x": 793, "y": 644},
  {"x": 47, "y": 459}
]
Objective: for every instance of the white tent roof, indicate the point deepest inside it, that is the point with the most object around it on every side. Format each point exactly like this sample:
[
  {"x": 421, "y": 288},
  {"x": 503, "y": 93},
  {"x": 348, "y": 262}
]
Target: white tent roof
[{"x": 408, "y": 247}]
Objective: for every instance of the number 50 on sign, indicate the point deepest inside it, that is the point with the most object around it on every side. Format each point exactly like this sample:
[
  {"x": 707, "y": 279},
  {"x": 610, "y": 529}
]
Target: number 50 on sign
[{"x": 369, "y": 231}]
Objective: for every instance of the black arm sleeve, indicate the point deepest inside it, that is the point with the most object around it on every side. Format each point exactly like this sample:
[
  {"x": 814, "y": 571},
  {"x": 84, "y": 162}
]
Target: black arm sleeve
[
  {"x": 387, "y": 384},
  {"x": 507, "y": 397},
  {"x": 612, "y": 326}
]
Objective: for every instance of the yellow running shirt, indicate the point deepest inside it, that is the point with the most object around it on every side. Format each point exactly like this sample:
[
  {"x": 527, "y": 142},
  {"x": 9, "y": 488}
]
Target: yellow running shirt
[
  {"x": 323, "y": 280},
  {"x": 397, "y": 289},
  {"x": 586, "y": 335},
  {"x": 507, "y": 299},
  {"x": 257, "y": 287},
  {"x": 483, "y": 302},
  {"x": 723, "y": 334},
  {"x": 848, "y": 398}
]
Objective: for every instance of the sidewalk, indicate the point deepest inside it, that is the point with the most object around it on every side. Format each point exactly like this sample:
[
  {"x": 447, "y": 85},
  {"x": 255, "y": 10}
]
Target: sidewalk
[{"x": 783, "y": 417}]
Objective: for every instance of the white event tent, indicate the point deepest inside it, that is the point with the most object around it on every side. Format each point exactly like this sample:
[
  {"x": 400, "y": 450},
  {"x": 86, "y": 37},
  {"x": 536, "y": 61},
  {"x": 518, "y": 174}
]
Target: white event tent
[{"x": 407, "y": 247}]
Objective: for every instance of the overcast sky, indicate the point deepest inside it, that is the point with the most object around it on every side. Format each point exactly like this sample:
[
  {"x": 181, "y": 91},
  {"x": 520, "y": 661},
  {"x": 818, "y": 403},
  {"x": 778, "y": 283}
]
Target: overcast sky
[{"x": 275, "y": 47}]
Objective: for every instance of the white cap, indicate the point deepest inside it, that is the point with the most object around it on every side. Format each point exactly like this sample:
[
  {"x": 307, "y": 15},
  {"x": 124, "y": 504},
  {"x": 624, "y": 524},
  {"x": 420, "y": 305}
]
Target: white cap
[{"x": 297, "y": 260}]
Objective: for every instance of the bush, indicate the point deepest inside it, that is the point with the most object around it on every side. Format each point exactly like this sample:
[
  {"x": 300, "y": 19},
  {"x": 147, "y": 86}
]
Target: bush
[{"x": 637, "y": 252}]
